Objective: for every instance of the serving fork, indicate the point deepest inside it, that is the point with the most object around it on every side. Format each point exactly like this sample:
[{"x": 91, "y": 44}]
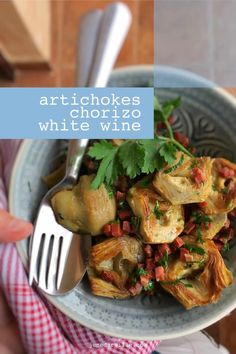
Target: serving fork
[
  {"x": 54, "y": 250},
  {"x": 51, "y": 242}
]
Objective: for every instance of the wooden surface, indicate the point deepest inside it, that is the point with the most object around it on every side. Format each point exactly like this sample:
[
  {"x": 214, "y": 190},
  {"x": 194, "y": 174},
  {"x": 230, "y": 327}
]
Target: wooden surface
[
  {"x": 25, "y": 37},
  {"x": 138, "y": 49}
]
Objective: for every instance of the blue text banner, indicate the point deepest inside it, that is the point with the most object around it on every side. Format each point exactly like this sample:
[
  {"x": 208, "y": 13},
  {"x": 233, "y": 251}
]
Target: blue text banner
[{"x": 61, "y": 113}]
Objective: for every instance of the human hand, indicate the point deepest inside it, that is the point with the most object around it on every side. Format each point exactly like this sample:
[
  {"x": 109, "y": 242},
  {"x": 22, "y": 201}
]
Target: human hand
[{"x": 11, "y": 230}]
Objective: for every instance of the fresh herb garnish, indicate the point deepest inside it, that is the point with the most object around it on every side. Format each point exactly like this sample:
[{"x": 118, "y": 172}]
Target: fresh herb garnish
[
  {"x": 158, "y": 213},
  {"x": 150, "y": 286},
  {"x": 164, "y": 261},
  {"x": 199, "y": 219},
  {"x": 190, "y": 263},
  {"x": 199, "y": 234},
  {"x": 194, "y": 249},
  {"x": 134, "y": 157},
  {"x": 136, "y": 274},
  {"x": 174, "y": 167},
  {"x": 187, "y": 285}
]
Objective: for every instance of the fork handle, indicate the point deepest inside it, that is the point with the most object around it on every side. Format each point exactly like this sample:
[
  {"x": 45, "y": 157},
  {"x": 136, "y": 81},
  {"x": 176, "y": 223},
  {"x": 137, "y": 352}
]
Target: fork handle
[
  {"x": 76, "y": 151},
  {"x": 114, "y": 26}
]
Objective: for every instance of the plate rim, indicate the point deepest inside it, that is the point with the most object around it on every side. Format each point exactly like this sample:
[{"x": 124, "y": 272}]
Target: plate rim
[{"x": 53, "y": 299}]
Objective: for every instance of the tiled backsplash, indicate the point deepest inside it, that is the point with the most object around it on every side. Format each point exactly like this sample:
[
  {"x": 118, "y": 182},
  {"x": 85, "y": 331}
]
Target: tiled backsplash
[{"x": 198, "y": 35}]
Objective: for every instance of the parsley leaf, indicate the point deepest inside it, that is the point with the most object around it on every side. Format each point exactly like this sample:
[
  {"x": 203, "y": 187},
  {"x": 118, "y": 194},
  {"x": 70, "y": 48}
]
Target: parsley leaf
[
  {"x": 158, "y": 213},
  {"x": 136, "y": 274},
  {"x": 199, "y": 234},
  {"x": 150, "y": 286},
  {"x": 106, "y": 164},
  {"x": 199, "y": 219},
  {"x": 164, "y": 261},
  {"x": 132, "y": 156},
  {"x": 168, "y": 151},
  {"x": 169, "y": 106},
  {"x": 194, "y": 249},
  {"x": 163, "y": 111},
  {"x": 152, "y": 159},
  {"x": 100, "y": 149}
]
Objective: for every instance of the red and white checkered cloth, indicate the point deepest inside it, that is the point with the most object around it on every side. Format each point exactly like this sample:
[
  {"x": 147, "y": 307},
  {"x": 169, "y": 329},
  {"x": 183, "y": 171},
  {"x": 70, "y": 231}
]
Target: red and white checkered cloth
[{"x": 44, "y": 329}]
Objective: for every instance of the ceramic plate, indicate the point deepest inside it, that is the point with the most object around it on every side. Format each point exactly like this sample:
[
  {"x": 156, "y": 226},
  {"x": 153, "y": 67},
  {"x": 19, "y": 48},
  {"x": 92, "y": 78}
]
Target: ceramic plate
[{"x": 208, "y": 117}]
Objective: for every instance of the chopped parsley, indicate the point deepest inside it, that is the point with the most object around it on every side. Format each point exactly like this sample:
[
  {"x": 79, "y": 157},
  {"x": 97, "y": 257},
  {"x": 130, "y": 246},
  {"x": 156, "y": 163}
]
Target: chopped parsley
[
  {"x": 199, "y": 219},
  {"x": 194, "y": 249},
  {"x": 158, "y": 213},
  {"x": 199, "y": 234},
  {"x": 190, "y": 263},
  {"x": 150, "y": 286},
  {"x": 136, "y": 274},
  {"x": 164, "y": 261}
]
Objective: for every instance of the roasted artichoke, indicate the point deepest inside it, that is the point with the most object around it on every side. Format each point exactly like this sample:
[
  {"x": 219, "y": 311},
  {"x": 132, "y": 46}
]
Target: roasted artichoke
[
  {"x": 112, "y": 262},
  {"x": 200, "y": 281},
  {"x": 222, "y": 197},
  {"x": 161, "y": 222},
  {"x": 189, "y": 183},
  {"x": 84, "y": 209}
]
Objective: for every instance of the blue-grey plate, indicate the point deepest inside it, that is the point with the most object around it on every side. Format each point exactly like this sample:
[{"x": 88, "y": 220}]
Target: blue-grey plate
[{"x": 208, "y": 117}]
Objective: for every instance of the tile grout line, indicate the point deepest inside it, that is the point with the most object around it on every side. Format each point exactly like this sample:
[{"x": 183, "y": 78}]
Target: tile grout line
[
  {"x": 60, "y": 13},
  {"x": 211, "y": 39}
]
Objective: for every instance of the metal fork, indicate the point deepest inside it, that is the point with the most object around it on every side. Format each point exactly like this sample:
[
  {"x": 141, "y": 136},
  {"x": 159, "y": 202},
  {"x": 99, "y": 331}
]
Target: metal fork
[
  {"x": 51, "y": 249},
  {"x": 51, "y": 242}
]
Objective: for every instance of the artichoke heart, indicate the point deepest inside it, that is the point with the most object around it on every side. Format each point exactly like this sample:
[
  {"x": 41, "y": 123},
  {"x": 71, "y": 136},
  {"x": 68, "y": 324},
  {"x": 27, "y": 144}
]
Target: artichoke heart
[
  {"x": 188, "y": 183},
  {"x": 217, "y": 222},
  {"x": 161, "y": 222},
  {"x": 201, "y": 281},
  {"x": 222, "y": 197},
  {"x": 84, "y": 209},
  {"x": 112, "y": 262}
]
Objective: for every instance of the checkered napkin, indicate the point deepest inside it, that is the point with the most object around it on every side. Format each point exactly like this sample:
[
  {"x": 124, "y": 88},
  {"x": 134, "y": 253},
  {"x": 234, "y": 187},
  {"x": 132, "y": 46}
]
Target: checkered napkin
[{"x": 44, "y": 329}]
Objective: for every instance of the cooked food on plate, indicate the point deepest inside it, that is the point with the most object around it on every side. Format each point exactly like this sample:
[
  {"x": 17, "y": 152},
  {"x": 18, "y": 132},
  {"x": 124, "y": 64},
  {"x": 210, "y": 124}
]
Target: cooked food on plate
[{"x": 161, "y": 216}]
